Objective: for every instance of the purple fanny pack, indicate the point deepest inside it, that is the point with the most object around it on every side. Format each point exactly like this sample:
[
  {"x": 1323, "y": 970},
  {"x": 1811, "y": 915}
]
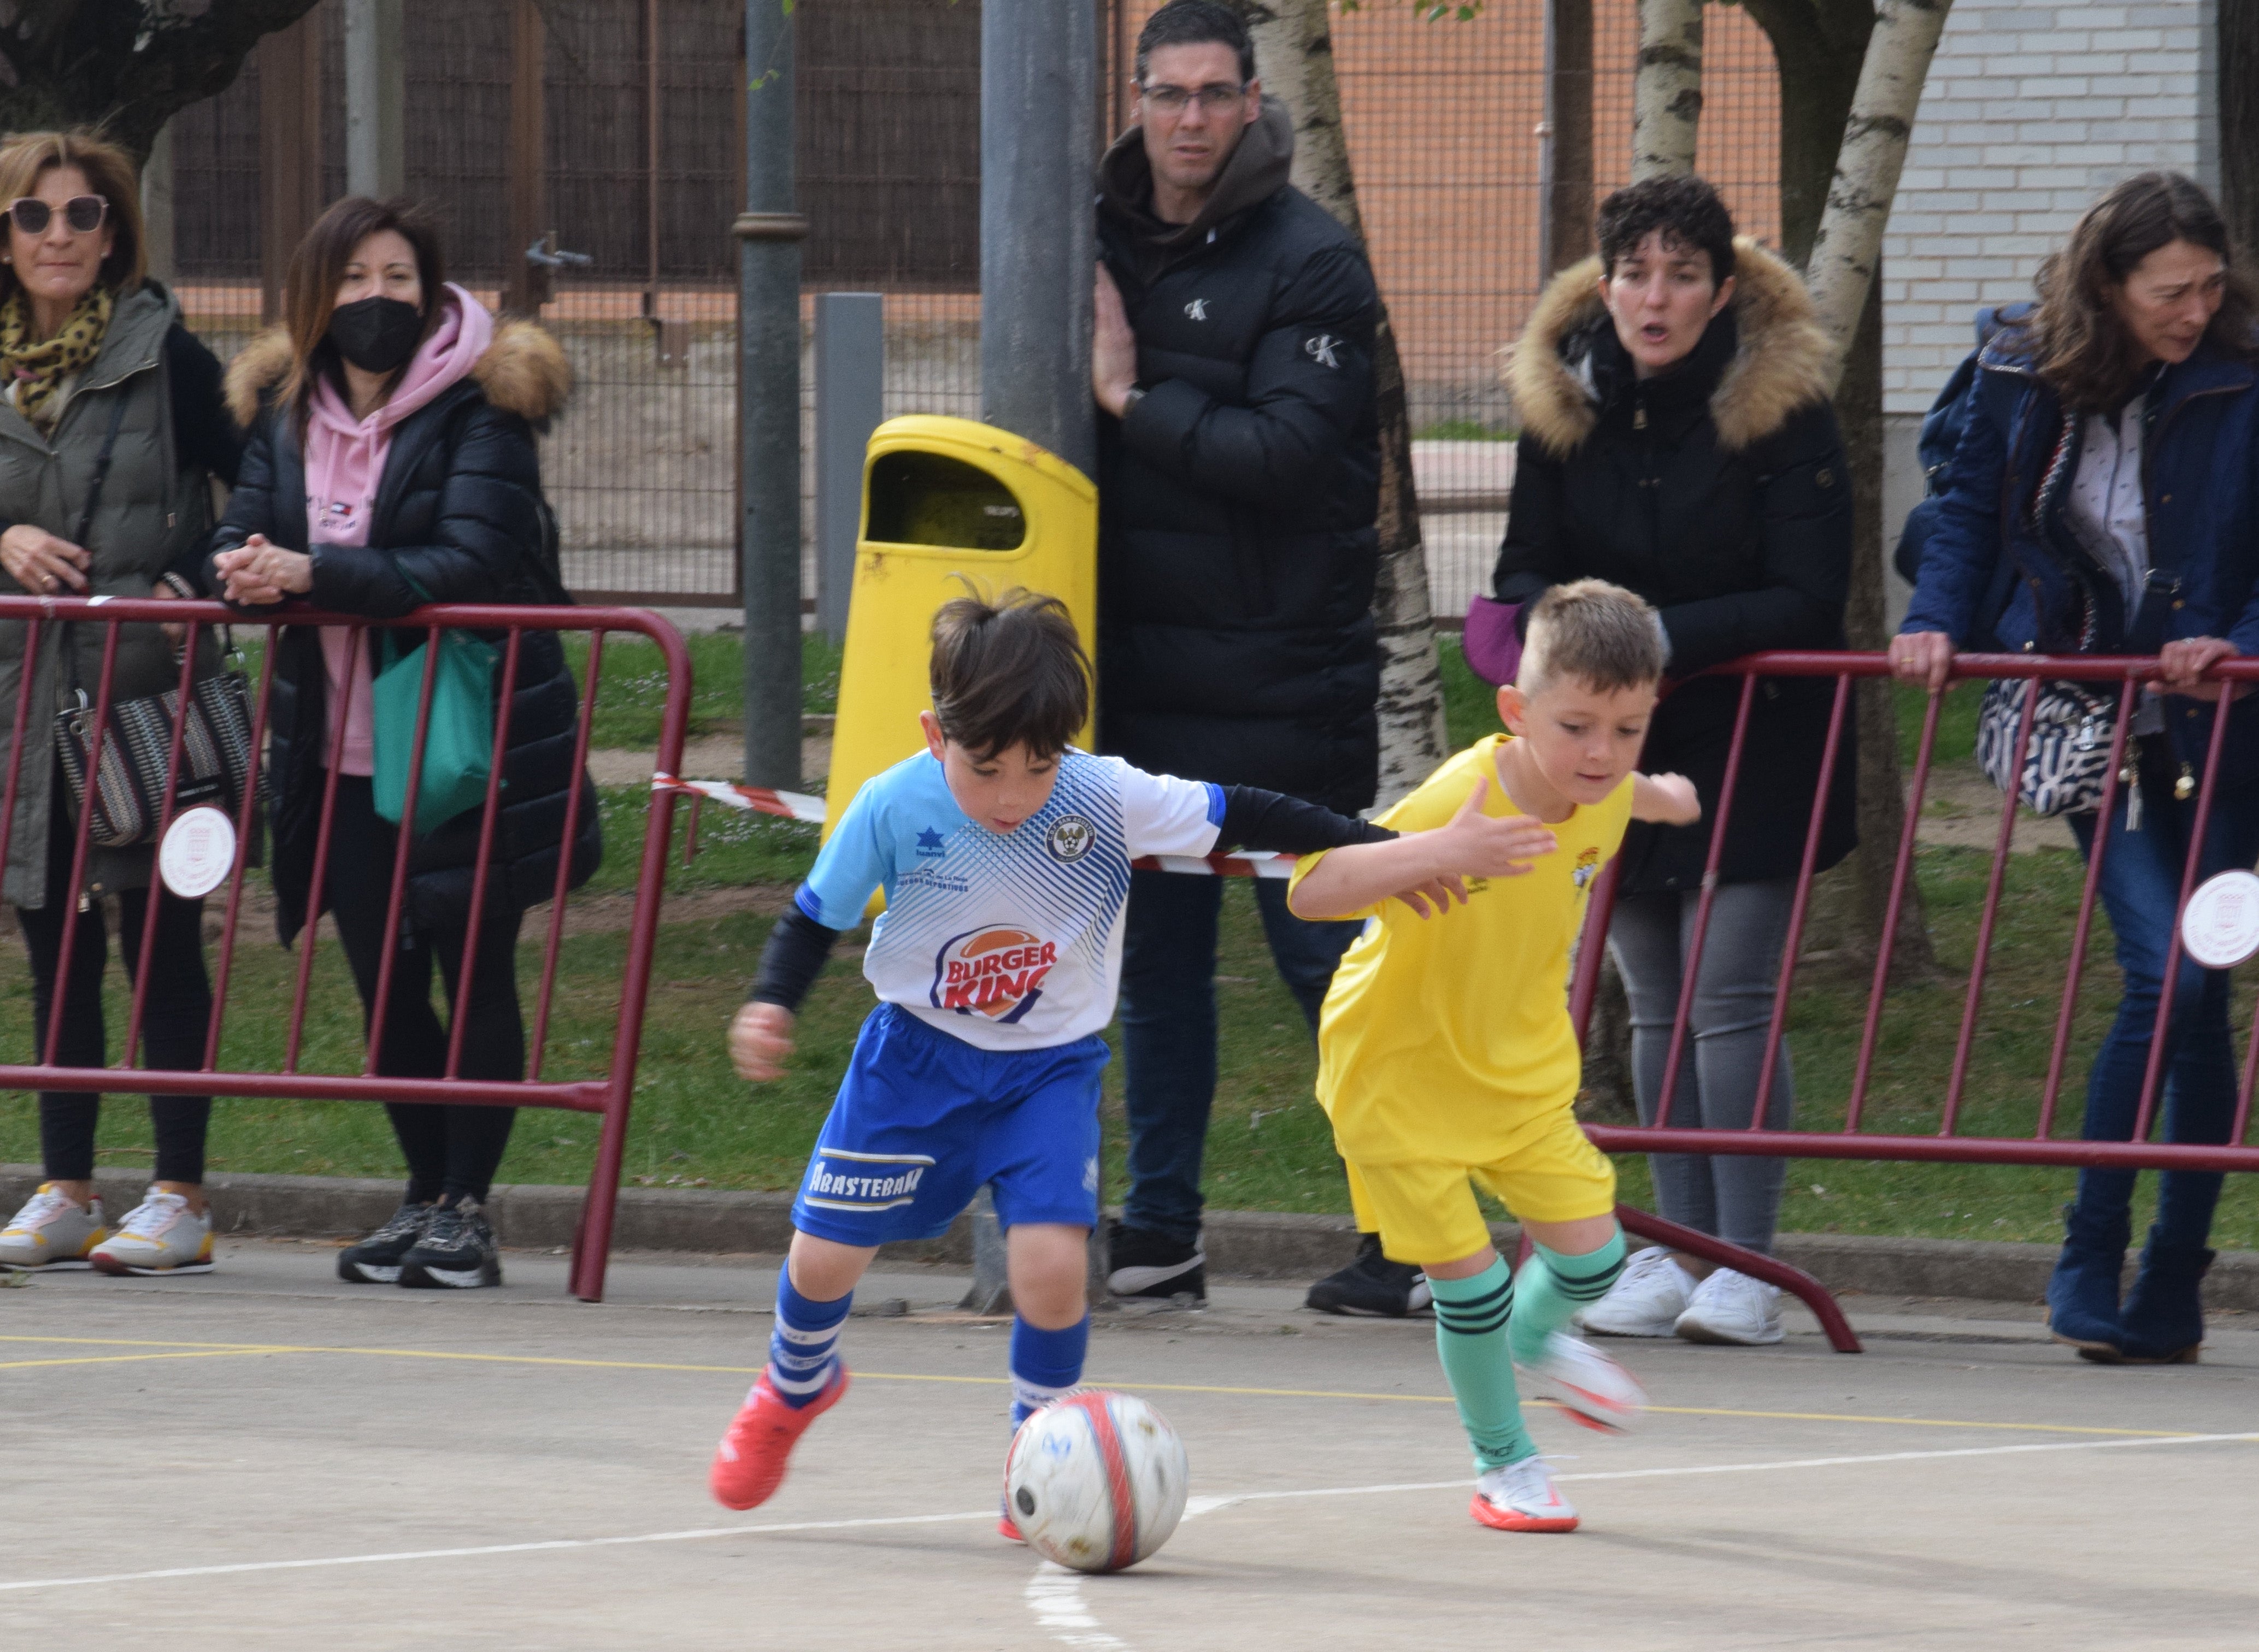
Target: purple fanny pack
[{"x": 1492, "y": 641}]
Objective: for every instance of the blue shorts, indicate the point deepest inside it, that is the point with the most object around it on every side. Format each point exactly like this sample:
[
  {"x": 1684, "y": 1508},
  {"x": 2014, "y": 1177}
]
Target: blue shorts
[{"x": 922, "y": 1119}]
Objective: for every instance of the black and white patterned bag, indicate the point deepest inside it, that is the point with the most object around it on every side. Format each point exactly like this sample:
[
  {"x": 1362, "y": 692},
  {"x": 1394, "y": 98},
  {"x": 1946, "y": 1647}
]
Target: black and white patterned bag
[{"x": 2067, "y": 762}]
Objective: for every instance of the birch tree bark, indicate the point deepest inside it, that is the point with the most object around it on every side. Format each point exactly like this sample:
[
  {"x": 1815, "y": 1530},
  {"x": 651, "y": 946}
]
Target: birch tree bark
[
  {"x": 1667, "y": 91},
  {"x": 1295, "y": 54},
  {"x": 1848, "y": 249}
]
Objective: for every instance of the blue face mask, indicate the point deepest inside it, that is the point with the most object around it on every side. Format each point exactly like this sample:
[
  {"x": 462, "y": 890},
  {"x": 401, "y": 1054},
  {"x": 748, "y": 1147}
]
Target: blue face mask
[{"x": 377, "y": 335}]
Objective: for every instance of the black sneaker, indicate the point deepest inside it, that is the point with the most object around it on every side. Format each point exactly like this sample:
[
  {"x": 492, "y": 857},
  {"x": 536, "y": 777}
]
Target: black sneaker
[
  {"x": 375, "y": 1260},
  {"x": 458, "y": 1253},
  {"x": 1142, "y": 1263},
  {"x": 1372, "y": 1285}
]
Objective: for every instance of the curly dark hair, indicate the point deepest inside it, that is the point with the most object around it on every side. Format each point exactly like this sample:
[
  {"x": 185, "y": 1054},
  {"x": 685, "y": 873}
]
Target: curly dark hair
[
  {"x": 1685, "y": 209},
  {"x": 1195, "y": 23},
  {"x": 2079, "y": 346}
]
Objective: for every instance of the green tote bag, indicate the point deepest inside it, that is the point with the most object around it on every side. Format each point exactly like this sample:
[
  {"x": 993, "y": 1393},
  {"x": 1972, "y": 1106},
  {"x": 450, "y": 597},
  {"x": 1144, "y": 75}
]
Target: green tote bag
[{"x": 459, "y": 741}]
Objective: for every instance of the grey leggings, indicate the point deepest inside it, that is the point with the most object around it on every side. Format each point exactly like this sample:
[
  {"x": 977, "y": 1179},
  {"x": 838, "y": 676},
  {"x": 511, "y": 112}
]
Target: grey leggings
[{"x": 1734, "y": 1198}]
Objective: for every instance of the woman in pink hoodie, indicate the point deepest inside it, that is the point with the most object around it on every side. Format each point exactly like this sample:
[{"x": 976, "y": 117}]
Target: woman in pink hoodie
[{"x": 391, "y": 462}]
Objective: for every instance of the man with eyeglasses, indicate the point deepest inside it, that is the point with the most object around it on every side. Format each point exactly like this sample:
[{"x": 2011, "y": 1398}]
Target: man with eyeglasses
[{"x": 1239, "y": 479}]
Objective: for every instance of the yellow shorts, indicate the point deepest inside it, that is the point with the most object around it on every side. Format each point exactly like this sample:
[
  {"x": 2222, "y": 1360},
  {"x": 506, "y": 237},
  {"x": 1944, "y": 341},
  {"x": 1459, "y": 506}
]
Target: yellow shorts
[{"x": 1424, "y": 1210}]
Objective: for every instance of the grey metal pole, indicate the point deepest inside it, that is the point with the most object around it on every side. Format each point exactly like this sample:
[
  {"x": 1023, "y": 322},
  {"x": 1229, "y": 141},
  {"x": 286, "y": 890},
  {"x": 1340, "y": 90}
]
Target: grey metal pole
[
  {"x": 1038, "y": 235},
  {"x": 769, "y": 232},
  {"x": 157, "y": 204},
  {"x": 376, "y": 99},
  {"x": 851, "y": 401},
  {"x": 1038, "y": 265}
]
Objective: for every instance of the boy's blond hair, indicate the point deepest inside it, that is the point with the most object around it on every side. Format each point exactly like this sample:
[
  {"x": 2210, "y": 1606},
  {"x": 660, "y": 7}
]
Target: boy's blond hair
[{"x": 1600, "y": 634}]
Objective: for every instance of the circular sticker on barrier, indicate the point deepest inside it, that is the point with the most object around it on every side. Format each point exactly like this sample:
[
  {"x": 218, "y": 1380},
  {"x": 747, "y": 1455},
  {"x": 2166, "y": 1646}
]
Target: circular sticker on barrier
[
  {"x": 199, "y": 849},
  {"x": 2220, "y": 928}
]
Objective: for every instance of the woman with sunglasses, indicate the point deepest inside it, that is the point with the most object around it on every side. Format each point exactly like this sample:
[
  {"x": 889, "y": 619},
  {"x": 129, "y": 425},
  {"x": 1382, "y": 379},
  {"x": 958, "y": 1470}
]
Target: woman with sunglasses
[{"x": 108, "y": 405}]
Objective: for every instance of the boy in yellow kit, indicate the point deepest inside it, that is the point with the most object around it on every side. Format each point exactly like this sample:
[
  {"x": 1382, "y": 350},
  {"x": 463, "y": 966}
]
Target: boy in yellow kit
[{"x": 1446, "y": 1053}]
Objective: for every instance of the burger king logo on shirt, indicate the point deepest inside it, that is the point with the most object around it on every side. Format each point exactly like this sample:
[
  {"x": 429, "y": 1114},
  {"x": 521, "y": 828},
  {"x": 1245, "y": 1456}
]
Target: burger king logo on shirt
[{"x": 995, "y": 970}]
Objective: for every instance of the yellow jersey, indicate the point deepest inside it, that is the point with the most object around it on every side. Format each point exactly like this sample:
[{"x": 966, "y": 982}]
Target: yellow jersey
[{"x": 1445, "y": 1037}]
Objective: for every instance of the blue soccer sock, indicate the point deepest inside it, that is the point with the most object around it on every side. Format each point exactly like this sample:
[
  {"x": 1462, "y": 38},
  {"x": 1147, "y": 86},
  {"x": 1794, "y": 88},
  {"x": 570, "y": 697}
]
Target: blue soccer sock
[
  {"x": 803, "y": 1347},
  {"x": 1044, "y": 1364},
  {"x": 1550, "y": 1287}
]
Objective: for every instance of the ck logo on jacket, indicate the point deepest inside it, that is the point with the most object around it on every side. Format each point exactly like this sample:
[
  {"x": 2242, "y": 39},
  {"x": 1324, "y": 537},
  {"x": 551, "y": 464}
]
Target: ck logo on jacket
[
  {"x": 1321, "y": 349},
  {"x": 1196, "y": 310}
]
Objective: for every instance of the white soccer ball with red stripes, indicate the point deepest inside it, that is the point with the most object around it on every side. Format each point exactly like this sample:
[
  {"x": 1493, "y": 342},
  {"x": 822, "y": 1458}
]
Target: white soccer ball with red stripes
[{"x": 1095, "y": 1480}]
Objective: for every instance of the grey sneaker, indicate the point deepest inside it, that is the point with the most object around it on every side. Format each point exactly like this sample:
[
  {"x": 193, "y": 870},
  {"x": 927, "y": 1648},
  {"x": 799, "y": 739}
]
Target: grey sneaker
[
  {"x": 376, "y": 1259},
  {"x": 458, "y": 1252},
  {"x": 52, "y": 1231}
]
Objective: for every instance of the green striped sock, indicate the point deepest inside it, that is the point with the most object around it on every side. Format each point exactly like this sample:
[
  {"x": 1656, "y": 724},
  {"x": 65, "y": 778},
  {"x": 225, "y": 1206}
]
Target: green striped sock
[
  {"x": 1470, "y": 1321},
  {"x": 1552, "y": 1286}
]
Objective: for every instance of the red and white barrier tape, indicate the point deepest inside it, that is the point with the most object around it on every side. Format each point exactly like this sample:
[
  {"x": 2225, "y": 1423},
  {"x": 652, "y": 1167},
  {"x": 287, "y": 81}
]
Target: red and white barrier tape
[{"x": 799, "y": 805}]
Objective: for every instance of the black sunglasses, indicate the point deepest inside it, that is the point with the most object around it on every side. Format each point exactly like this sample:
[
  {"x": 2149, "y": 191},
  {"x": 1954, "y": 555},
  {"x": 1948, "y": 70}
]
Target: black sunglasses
[{"x": 84, "y": 213}]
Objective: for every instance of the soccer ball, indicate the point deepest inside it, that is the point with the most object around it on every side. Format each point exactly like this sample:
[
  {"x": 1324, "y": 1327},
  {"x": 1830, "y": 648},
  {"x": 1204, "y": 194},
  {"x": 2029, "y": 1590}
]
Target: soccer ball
[{"x": 1095, "y": 1480}]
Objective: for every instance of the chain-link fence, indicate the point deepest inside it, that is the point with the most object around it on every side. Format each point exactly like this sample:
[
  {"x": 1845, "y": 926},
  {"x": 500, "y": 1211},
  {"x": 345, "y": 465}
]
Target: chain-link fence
[{"x": 1443, "y": 124}]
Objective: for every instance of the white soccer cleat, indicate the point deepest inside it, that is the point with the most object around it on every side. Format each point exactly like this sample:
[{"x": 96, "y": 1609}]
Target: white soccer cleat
[
  {"x": 1732, "y": 1308},
  {"x": 1591, "y": 1388},
  {"x": 1521, "y": 1498},
  {"x": 1646, "y": 1301},
  {"x": 51, "y": 1231},
  {"x": 158, "y": 1235}
]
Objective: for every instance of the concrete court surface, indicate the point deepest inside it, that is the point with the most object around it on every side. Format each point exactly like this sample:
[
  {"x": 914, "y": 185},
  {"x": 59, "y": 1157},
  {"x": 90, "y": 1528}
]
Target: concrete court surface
[{"x": 264, "y": 1457}]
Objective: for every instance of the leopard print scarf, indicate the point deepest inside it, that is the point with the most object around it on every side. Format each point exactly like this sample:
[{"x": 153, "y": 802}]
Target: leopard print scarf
[{"x": 40, "y": 369}]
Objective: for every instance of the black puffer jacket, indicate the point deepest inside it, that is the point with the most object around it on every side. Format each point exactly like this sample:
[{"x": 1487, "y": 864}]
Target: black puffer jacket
[
  {"x": 459, "y": 508},
  {"x": 1236, "y": 550},
  {"x": 1718, "y": 491}
]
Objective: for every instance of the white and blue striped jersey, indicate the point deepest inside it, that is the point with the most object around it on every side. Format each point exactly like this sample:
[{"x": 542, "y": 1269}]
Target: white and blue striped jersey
[{"x": 1010, "y": 942}]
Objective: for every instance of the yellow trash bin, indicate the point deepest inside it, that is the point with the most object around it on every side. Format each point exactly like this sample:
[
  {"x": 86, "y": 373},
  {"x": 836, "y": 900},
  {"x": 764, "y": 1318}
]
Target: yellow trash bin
[{"x": 943, "y": 498}]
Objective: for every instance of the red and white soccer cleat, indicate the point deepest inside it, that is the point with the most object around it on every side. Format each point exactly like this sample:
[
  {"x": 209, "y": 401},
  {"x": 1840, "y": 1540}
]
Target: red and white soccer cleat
[
  {"x": 1592, "y": 1388},
  {"x": 1521, "y": 1498},
  {"x": 749, "y": 1464}
]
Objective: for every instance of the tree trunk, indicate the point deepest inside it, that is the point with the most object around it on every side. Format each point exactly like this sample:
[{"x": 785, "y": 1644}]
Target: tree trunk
[
  {"x": 2239, "y": 122},
  {"x": 1820, "y": 46},
  {"x": 1667, "y": 92},
  {"x": 1294, "y": 53},
  {"x": 1848, "y": 248}
]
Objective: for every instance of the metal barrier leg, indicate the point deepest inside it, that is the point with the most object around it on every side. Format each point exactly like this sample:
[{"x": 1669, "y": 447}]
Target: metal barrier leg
[
  {"x": 1795, "y": 1281},
  {"x": 592, "y": 1241}
]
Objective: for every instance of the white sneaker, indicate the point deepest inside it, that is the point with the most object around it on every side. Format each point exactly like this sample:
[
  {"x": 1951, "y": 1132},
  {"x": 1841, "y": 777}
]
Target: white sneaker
[
  {"x": 1732, "y": 1307},
  {"x": 1592, "y": 1388},
  {"x": 1646, "y": 1300},
  {"x": 51, "y": 1231},
  {"x": 158, "y": 1235},
  {"x": 1521, "y": 1498}
]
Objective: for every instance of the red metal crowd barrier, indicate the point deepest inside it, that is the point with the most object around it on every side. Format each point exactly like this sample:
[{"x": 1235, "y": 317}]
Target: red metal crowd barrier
[
  {"x": 607, "y": 1095},
  {"x": 1947, "y": 1144}
]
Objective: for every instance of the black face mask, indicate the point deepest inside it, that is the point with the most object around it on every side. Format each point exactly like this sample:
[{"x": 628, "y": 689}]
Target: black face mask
[{"x": 377, "y": 335}]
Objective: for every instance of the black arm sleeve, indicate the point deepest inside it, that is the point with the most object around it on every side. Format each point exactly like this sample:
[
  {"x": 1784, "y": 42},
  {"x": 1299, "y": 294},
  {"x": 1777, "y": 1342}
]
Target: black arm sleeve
[
  {"x": 1256, "y": 819},
  {"x": 792, "y": 960},
  {"x": 202, "y": 425}
]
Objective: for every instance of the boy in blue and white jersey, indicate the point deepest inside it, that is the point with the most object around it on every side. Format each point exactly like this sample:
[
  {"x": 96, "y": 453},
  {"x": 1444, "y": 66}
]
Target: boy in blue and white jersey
[{"x": 1004, "y": 855}]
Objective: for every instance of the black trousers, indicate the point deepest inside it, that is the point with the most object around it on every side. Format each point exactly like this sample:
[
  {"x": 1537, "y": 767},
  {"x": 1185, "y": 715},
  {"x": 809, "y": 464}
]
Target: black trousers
[
  {"x": 174, "y": 1022},
  {"x": 452, "y": 1150}
]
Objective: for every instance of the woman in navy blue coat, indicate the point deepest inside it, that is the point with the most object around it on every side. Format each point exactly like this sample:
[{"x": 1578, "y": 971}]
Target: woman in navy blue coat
[{"x": 2105, "y": 500}]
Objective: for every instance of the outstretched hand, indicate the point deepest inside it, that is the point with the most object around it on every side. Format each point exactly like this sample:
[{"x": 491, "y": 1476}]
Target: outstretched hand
[
  {"x": 1473, "y": 844},
  {"x": 761, "y": 1042}
]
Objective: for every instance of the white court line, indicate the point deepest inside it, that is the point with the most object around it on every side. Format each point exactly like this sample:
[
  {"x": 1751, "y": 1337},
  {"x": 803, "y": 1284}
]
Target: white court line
[
  {"x": 1054, "y": 1594},
  {"x": 1204, "y": 1505}
]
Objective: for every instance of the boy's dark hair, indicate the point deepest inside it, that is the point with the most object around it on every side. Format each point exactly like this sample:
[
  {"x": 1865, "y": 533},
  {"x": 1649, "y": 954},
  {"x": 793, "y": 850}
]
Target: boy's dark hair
[
  {"x": 1195, "y": 23},
  {"x": 1601, "y": 635},
  {"x": 1008, "y": 673},
  {"x": 1686, "y": 209}
]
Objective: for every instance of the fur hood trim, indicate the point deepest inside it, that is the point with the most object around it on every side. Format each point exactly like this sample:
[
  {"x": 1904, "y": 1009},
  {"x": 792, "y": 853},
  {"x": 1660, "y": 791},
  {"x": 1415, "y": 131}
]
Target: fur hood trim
[
  {"x": 523, "y": 371},
  {"x": 1779, "y": 366}
]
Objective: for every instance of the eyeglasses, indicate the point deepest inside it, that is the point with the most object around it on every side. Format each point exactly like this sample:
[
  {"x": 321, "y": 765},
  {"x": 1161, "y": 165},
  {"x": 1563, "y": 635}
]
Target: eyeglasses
[
  {"x": 84, "y": 213},
  {"x": 1215, "y": 97}
]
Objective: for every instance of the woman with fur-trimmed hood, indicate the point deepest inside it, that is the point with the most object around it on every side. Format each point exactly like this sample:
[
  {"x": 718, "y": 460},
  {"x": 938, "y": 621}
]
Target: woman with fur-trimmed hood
[
  {"x": 1677, "y": 439},
  {"x": 391, "y": 463}
]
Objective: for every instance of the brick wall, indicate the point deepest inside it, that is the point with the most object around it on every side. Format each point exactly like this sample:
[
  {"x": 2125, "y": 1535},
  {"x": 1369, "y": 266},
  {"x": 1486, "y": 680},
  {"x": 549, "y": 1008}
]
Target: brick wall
[{"x": 2032, "y": 108}]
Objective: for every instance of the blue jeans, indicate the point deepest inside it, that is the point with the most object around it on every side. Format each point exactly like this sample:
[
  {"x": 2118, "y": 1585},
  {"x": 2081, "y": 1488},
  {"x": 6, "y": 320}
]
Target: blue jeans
[
  {"x": 2141, "y": 888},
  {"x": 1168, "y": 1027}
]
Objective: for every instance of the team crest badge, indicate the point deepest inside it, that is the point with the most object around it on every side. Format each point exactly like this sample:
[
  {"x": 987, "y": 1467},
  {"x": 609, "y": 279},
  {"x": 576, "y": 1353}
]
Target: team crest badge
[
  {"x": 1070, "y": 838},
  {"x": 1588, "y": 866}
]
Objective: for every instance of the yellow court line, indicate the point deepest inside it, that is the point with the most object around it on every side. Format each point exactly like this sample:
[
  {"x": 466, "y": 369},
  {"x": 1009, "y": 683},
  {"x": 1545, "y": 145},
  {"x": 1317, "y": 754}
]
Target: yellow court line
[
  {"x": 127, "y": 1342},
  {"x": 128, "y": 1359},
  {"x": 223, "y": 1348}
]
